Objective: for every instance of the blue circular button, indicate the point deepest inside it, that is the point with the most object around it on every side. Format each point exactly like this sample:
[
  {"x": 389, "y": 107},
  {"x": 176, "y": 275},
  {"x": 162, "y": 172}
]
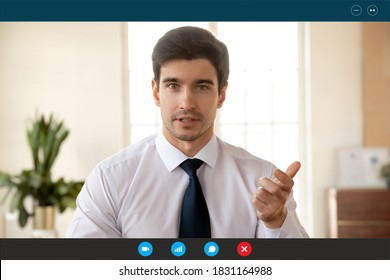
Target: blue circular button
[
  {"x": 145, "y": 249},
  {"x": 211, "y": 249},
  {"x": 178, "y": 249}
]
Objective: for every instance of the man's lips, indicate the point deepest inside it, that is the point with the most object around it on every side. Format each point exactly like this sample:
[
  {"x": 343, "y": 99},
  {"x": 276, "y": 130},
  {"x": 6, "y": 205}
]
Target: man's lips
[
  {"x": 187, "y": 119},
  {"x": 187, "y": 116}
]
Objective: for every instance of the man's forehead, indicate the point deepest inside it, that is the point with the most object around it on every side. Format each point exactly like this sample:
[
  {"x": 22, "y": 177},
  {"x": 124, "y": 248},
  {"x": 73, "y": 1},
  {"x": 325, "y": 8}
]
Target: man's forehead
[{"x": 184, "y": 67}]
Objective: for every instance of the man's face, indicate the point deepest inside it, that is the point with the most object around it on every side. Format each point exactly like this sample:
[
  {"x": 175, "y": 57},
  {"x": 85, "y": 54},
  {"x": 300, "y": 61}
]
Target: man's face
[{"x": 188, "y": 98}]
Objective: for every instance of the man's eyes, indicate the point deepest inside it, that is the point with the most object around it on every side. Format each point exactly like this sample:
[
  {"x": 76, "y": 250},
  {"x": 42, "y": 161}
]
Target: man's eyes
[
  {"x": 200, "y": 87},
  {"x": 203, "y": 87},
  {"x": 172, "y": 86}
]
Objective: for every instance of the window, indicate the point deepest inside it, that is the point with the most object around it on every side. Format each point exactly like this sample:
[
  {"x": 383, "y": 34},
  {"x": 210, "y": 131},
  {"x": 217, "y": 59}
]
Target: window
[{"x": 263, "y": 90}]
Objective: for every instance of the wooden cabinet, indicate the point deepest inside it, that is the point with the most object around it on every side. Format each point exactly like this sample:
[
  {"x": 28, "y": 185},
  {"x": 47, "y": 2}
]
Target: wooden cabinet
[{"x": 359, "y": 213}]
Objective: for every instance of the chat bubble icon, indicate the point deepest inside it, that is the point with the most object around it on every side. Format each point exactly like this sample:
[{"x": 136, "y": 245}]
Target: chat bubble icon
[{"x": 212, "y": 249}]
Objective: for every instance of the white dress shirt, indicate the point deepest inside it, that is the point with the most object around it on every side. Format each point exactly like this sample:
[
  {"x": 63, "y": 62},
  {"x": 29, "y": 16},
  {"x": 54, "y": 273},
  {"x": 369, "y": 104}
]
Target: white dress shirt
[{"x": 138, "y": 193}]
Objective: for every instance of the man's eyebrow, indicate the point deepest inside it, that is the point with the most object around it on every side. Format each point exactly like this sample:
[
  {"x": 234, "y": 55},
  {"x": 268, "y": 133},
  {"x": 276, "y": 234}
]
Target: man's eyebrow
[
  {"x": 170, "y": 79},
  {"x": 205, "y": 81},
  {"x": 176, "y": 80}
]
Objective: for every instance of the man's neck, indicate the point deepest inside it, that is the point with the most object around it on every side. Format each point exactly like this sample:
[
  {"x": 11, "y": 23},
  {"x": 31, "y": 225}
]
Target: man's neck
[{"x": 189, "y": 148}]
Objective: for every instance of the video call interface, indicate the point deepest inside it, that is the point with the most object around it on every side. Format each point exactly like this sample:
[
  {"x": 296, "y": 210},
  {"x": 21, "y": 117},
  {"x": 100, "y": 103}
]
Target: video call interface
[{"x": 322, "y": 254}]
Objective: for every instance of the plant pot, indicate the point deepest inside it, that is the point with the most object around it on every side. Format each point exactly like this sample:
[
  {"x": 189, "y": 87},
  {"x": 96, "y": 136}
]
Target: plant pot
[{"x": 44, "y": 222}]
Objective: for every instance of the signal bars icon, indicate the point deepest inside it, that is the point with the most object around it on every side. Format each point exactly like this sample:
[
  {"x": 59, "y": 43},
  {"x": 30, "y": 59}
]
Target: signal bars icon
[{"x": 178, "y": 249}]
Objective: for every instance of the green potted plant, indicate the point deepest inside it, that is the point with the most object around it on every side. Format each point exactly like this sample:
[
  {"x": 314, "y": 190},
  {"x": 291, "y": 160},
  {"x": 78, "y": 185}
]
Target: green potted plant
[
  {"x": 45, "y": 137},
  {"x": 384, "y": 173}
]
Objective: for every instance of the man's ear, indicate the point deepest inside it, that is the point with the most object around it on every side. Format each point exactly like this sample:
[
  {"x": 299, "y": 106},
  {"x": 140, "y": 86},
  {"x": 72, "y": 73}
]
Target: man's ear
[
  {"x": 156, "y": 93},
  {"x": 222, "y": 96}
]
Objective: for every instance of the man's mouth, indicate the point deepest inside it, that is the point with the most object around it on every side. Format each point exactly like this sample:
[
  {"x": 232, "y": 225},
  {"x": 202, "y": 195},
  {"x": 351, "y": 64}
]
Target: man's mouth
[
  {"x": 186, "y": 120},
  {"x": 187, "y": 117}
]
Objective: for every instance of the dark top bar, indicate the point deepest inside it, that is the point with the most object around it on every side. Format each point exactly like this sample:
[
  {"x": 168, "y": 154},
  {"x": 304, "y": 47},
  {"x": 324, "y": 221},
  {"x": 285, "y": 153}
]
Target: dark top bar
[
  {"x": 262, "y": 249},
  {"x": 194, "y": 10}
]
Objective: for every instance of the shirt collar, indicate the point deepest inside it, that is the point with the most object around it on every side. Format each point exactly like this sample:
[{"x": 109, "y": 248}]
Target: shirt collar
[{"x": 173, "y": 157}]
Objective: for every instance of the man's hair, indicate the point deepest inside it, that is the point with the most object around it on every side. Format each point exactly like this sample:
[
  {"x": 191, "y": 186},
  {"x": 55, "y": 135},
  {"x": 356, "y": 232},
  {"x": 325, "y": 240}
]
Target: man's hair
[{"x": 190, "y": 42}]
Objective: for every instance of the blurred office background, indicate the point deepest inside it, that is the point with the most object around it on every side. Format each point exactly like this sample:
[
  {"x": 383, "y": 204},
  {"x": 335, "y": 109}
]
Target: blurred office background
[{"x": 297, "y": 91}]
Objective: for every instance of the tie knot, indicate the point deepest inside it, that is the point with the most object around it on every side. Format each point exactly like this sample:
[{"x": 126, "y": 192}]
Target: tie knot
[{"x": 191, "y": 165}]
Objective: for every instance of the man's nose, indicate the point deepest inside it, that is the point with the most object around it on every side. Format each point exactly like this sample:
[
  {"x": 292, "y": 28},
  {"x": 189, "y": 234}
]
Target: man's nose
[{"x": 187, "y": 99}]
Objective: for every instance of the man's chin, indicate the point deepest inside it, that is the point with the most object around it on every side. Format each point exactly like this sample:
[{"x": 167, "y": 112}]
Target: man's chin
[
  {"x": 185, "y": 134},
  {"x": 187, "y": 137}
]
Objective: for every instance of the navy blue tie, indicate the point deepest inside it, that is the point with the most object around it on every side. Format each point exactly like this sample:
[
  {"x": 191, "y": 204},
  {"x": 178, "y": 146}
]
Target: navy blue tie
[{"x": 194, "y": 220}]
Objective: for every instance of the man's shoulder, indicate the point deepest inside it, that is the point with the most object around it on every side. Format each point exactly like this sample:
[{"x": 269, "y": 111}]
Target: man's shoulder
[
  {"x": 129, "y": 153},
  {"x": 241, "y": 154}
]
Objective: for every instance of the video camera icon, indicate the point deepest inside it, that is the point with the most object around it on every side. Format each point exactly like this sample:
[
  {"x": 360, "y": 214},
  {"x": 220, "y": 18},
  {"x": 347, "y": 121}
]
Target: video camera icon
[{"x": 145, "y": 249}]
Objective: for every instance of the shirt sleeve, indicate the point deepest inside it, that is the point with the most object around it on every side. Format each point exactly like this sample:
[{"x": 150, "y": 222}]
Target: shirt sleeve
[
  {"x": 96, "y": 211},
  {"x": 291, "y": 227}
]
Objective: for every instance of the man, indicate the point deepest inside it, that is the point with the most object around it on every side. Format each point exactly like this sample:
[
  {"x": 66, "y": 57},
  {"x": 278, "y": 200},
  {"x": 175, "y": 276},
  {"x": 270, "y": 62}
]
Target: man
[{"x": 141, "y": 192}]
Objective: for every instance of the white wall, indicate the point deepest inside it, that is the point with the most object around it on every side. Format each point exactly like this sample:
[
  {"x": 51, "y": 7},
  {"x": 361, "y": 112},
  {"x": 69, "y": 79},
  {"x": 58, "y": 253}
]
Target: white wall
[
  {"x": 78, "y": 71},
  {"x": 335, "y": 106},
  {"x": 74, "y": 70}
]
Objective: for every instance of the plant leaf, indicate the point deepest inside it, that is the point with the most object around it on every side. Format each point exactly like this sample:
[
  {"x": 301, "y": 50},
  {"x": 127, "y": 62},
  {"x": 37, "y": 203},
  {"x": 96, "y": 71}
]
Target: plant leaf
[{"x": 23, "y": 216}]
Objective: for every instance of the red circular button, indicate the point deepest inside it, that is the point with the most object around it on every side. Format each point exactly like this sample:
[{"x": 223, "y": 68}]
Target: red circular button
[{"x": 244, "y": 249}]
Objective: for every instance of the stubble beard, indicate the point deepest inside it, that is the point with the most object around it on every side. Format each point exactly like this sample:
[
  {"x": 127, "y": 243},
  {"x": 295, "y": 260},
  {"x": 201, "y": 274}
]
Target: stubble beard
[{"x": 169, "y": 125}]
